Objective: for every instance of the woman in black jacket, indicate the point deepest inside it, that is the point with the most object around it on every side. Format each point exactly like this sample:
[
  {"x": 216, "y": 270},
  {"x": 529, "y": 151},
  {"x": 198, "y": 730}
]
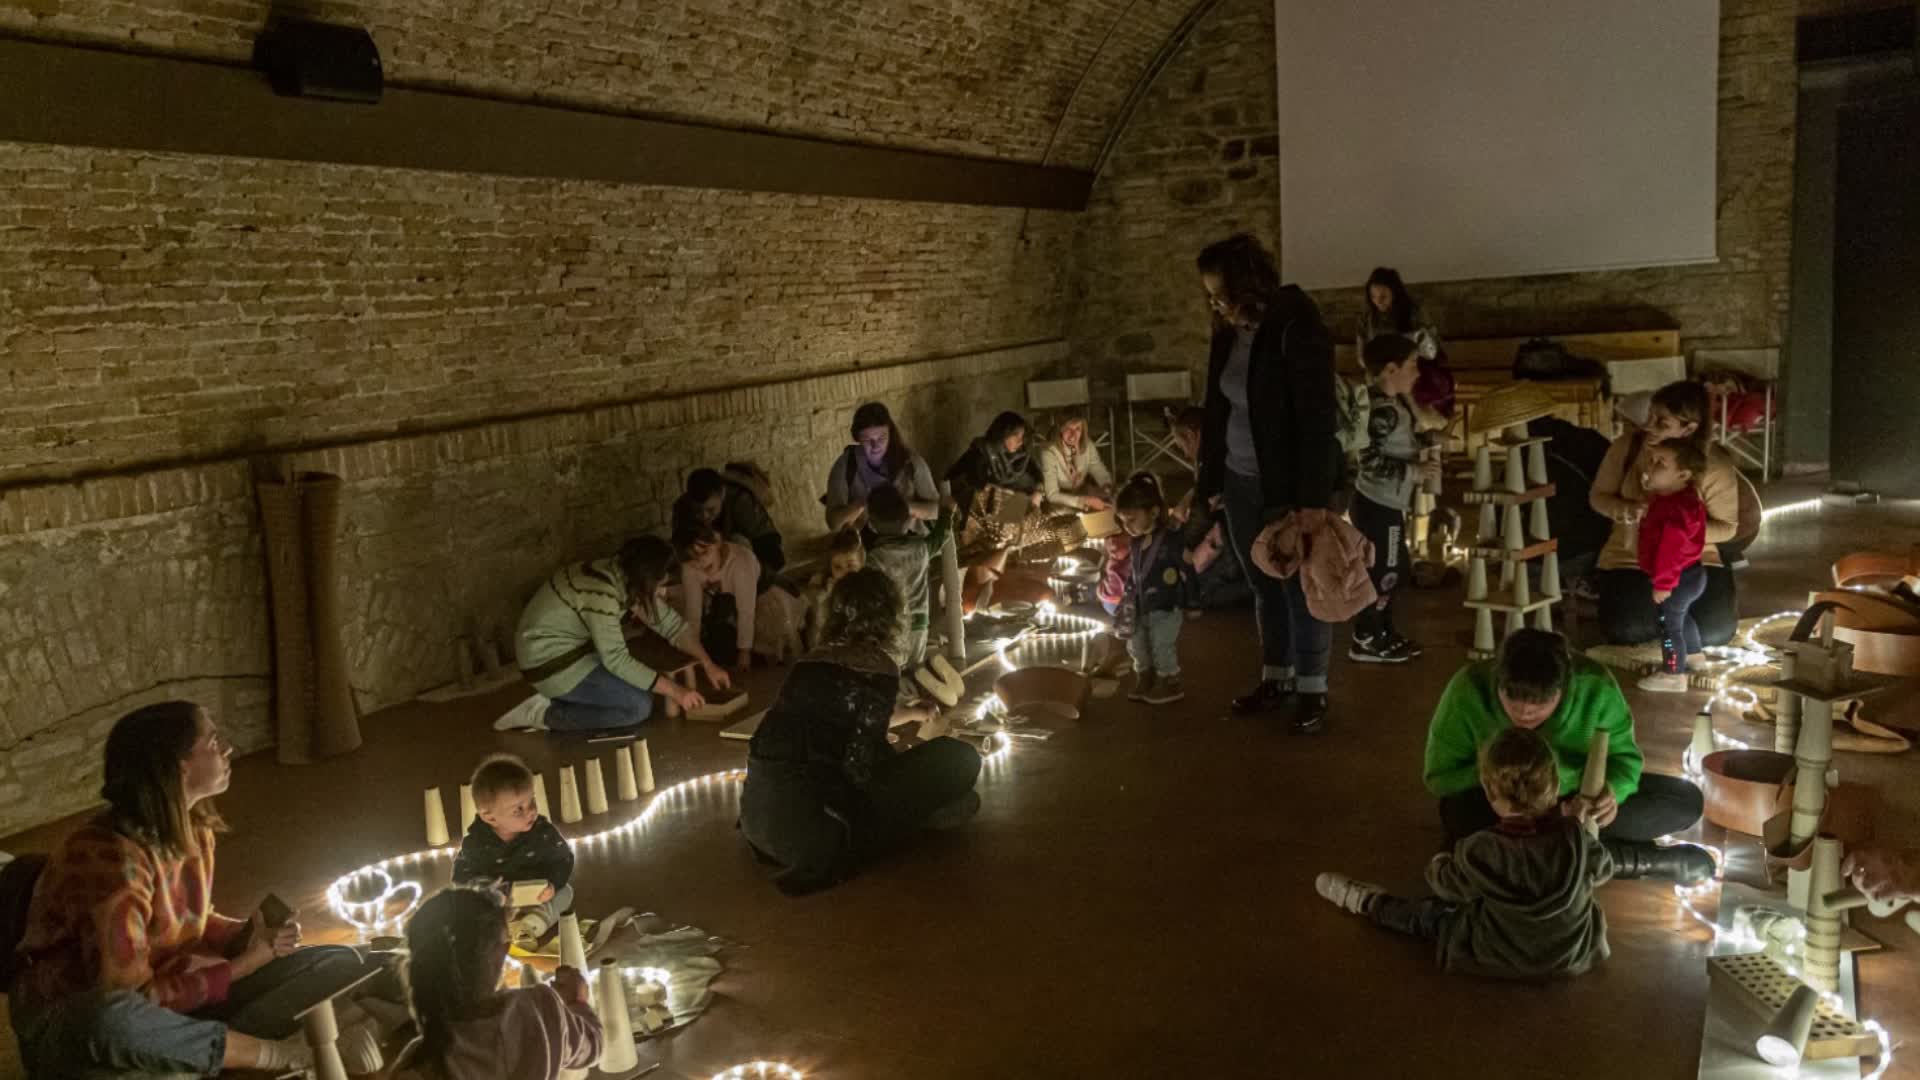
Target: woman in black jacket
[{"x": 1268, "y": 447}]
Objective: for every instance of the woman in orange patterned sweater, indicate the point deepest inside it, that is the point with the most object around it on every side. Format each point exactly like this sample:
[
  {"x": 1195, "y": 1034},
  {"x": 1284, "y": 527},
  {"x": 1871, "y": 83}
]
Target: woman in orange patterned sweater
[{"x": 125, "y": 964}]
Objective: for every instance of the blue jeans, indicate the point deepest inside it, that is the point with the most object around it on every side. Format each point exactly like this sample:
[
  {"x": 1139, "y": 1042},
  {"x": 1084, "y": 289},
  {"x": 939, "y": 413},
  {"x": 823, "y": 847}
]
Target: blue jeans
[
  {"x": 122, "y": 1030},
  {"x": 1155, "y": 644},
  {"x": 1679, "y": 634},
  {"x": 602, "y": 700},
  {"x": 1424, "y": 918},
  {"x": 1293, "y": 644}
]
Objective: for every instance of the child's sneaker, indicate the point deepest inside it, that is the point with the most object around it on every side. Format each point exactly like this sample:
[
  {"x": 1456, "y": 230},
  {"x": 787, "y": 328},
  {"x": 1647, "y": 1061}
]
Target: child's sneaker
[
  {"x": 1405, "y": 645},
  {"x": 1165, "y": 691},
  {"x": 529, "y": 715},
  {"x": 1665, "y": 682},
  {"x": 1142, "y": 687},
  {"x": 1343, "y": 891},
  {"x": 1379, "y": 649},
  {"x": 528, "y": 929}
]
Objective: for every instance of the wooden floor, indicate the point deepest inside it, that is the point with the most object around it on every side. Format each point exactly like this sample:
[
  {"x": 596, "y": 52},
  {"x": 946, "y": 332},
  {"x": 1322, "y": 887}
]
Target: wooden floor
[{"x": 1135, "y": 900}]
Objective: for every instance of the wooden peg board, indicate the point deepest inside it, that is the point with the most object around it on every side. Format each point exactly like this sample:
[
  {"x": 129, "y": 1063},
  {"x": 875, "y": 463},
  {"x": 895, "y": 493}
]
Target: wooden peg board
[{"x": 1762, "y": 985}]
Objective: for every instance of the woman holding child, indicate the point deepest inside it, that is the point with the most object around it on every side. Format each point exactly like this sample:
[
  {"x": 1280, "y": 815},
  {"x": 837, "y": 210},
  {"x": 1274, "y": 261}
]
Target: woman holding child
[
  {"x": 825, "y": 789},
  {"x": 125, "y": 965},
  {"x": 1628, "y": 614}
]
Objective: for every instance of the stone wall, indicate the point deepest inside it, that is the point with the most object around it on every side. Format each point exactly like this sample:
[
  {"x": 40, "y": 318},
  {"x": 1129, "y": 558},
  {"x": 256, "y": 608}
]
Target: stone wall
[{"x": 1198, "y": 161}]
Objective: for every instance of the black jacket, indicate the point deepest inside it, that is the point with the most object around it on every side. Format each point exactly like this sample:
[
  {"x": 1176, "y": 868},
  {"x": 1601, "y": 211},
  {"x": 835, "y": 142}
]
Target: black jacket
[
  {"x": 1290, "y": 394},
  {"x": 539, "y": 854}
]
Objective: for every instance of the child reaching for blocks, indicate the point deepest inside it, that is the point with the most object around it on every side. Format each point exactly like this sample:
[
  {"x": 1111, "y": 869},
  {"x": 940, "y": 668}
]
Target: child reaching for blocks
[
  {"x": 1673, "y": 535},
  {"x": 1156, "y": 590},
  {"x": 1514, "y": 901},
  {"x": 904, "y": 556},
  {"x": 509, "y": 841}
]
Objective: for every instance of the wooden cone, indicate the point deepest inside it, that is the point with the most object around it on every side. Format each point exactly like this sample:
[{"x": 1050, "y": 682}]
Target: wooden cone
[
  {"x": 1516, "y": 471},
  {"x": 436, "y": 819},
  {"x": 623, "y": 773},
  {"x": 1593, "y": 780},
  {"x": 643, "y": 765},
  {"x": 1522, "y": 589},
  {"x": 1482, "y": 469},
  {"x": 467, "y": 812},
  {"x": 1516, "y": 622},
  {"x": 1550, "y": 575},
  {"x": 540, "y": 796},
  {"x": 1540, "y": 526},
  {"x": 1702, "y": 737},
  {"x": 573, "y": 947},
  {"x": 1537, "y": 464},
  {"x": 569, "y": 795},
  {"x": 1506, "y": 574},
  {"x": 1489, "y": 530},
  {"x": 1543, "y": 619},
  {"x": 1516, "y": 433},
  {"x": 596, "y": 787},
  {"x": 617, "y": 1053},
  {"x": 1483, "y": 631},
  {"x": 1513, "y": 538},
  {"x": 1477, "y": 578}
]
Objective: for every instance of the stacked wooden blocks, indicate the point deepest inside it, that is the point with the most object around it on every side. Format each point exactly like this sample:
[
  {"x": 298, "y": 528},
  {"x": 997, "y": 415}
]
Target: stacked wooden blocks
[{"x": 1513, "y": 532}]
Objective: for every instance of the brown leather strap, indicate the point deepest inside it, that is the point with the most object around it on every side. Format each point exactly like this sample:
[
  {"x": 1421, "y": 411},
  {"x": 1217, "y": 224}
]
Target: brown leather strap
[{"x": 543, "y": 672}]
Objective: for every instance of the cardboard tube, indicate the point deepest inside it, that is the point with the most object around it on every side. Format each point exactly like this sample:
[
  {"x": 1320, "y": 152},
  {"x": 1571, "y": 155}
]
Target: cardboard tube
[
  {"x": 1821, "y": 969},
  {"x": 596, "y": 787},
  {"x": 322, "y": 1030},
  {"x": 1812, "y": 754},
  {"x": 467, "y": 812},
  {"x": 1594, "y": 779},
  {"x": 436, "y": 819},
  {"x": 1785, "y": 1040},
  {"x": 1786, "y": 724},
  {"x": 569, "y": 796},
  {"x": 643, "y": 765},
  {"x": 573, "y": 947},
  {"x": 953, "y": 609},
  {"x": 623, "y": 775},
  {"x": 540, "y": 796},
  {"x": 617, "y": 1053}
]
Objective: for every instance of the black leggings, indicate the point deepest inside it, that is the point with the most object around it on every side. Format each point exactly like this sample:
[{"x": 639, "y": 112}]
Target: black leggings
[
  {"x": 1662, "y": 805},
  {"x": 1629, "y": 617},
  {"x": 1387, "y": 529}
]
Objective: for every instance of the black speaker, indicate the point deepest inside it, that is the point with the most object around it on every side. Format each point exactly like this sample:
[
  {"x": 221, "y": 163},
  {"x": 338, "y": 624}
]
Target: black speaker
[{"x": 303, "y": 58}]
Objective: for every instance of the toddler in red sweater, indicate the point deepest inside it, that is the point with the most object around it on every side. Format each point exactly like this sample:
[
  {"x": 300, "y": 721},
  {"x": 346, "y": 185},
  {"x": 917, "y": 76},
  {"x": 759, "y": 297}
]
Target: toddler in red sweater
[{"x": 1672, "y": 536}]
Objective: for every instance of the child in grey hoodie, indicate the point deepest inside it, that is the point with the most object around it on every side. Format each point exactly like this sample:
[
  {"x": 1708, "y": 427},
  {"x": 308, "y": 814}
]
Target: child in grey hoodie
[{"x": 1514, "y": 901}]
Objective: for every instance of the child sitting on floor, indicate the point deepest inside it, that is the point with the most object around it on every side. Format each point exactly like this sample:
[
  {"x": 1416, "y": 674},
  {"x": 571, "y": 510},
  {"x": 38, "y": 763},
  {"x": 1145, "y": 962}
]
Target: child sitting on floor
[
  {"x": 1513, "y": 901},
  {"x": 903, "y": 556},
  {"x": 1672, "y": 537},
  {"x": 469, "y": 1027},
  {"x": 1157, "y": 578},
  {"x": 509, "y": 841},
  {"x": 845, "y": 554}
]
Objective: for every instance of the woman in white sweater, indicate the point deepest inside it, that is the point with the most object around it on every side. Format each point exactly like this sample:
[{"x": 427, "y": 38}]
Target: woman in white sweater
[{"x": 1073, "y": 477}]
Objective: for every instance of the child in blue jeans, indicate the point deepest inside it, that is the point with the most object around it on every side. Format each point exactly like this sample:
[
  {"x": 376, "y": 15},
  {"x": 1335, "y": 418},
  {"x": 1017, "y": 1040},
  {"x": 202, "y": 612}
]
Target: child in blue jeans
[{"x": 1156, "y": 596}]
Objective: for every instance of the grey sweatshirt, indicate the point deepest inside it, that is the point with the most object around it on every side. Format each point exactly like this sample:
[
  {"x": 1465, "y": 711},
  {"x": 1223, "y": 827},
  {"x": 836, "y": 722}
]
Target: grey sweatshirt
[
  {"x": 1387, "y": 462},
  {"x": 1526, "y": 899}
]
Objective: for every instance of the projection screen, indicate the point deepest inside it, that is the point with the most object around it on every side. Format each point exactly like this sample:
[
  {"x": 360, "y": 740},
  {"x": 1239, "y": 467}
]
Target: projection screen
[{"x": 1460, "y": 139}]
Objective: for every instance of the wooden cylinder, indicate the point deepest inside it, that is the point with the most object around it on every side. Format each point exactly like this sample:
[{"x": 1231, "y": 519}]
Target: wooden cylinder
[
  {"x": 1784, "y": 1042},
  {"x": 1822, "y": 967},
  {"x": 1812, "y": 754},
  {"x": 953, "y": 611},
  {"x": 642, "y": 765},
  {"x": 1786, "y": 723},
  {"x": 569, "y": 796},
  {"x": 322, "y": 1031},
  {"x": 629, "y": 788},
  {"x": 617, "y": 1053},
  {"x": 1593, "y": 779},
  {"x": 436, "y": 818},
  {"x": 467, "y": 811},
  {"x": 596, "y": 787}
]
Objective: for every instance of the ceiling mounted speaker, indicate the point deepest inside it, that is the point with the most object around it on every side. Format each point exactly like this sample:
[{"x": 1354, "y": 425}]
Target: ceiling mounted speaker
[{"x": 318, "y": 60}]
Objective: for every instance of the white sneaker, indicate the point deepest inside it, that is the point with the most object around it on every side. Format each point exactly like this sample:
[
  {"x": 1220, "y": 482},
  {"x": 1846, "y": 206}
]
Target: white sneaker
[
  {"x": 529, "y": 715},
  {"x": 1344, "y": 892},
  {"x": 1664, "y": 682}
]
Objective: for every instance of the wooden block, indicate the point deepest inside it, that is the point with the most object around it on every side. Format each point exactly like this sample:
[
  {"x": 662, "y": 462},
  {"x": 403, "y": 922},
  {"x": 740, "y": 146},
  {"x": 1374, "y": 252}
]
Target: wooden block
[
  {"x": 1500, "y": 554},
  {"x": 527, "y": 893},
  {"x": 721, "y": 706},
  {"x": 1100, "y": 524},
  {"x": 1512, "y": 608},
  {"x": 745, "y": 728},
  {"x": 1762, "y": 986},
  {"x": 1508, "y": 498}
]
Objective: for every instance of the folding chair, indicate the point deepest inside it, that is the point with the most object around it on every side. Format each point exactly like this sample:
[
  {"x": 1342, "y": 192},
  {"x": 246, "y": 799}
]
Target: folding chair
[
  {"x": 1760, "y": 367},
  {"x": 1154, "y": 391},
  {"x": 1047, "y": 397}
]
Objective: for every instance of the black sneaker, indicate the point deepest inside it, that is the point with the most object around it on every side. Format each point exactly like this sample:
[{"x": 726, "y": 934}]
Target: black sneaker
[
  {"x": 1379, "y": 649},
  {"x": 1165, "y": 691},
  {"x": 1266, "y": 695},
  {"x": 1142, "y": 687},
  {"x": 1309, "y": 714},
  {"x": 1411, "y": 648}
]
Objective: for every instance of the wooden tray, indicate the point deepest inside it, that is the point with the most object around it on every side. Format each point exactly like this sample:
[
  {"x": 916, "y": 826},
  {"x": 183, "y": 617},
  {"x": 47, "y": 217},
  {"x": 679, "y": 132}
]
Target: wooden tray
[{"x": 1762, "y": 985}]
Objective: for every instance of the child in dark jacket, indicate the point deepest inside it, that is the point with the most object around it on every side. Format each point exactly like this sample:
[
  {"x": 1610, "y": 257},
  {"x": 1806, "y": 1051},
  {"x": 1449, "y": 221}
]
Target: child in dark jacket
[
  {"x": 1514, "y": 901},
  {"x": 1672, "y": 537},
  {"x": 1157, "y": 578},
  {"x": 508, "y": 841}
]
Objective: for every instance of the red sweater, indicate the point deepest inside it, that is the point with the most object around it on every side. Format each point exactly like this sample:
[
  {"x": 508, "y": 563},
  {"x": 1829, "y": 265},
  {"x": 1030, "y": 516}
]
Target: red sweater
[
  {"x": 1672, "y": 536},
  {"x": 111, "y": 914}
]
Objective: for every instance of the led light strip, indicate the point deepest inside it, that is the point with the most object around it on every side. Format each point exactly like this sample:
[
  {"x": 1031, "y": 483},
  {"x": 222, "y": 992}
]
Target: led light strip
[
  {"x": 756, "y": 1070},
  {"x": 1803, "y": 505},
  {"x": 1746, "y": 656}
]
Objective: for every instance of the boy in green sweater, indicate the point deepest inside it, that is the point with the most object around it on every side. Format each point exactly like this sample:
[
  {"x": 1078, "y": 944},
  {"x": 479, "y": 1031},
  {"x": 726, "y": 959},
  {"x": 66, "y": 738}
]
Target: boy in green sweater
[{"x": 1538, "y": 683}]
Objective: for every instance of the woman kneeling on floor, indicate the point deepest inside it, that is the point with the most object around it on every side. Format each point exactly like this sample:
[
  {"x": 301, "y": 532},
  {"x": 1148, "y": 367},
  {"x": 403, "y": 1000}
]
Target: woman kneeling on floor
[
  {"x": 825, "y": 790},
  {"x": 126, "y": 966}
]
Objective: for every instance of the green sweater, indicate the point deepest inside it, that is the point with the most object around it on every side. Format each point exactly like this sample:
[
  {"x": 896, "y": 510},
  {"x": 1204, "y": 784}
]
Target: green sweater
[
  {"x": 1469, "y": 714},
  {"x": 582, "y": 604}
]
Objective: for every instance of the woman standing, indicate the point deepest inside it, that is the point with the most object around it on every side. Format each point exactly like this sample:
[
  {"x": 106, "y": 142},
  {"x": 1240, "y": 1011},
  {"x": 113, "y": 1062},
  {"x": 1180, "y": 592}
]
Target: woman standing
[
  {"x": 825, "y": 790},
  {"x": 125, "y": 963},
  {"x": 878, "y": 457},
  {"x": 1073, "y": 476},
  {"x": 1678, "y": 412},
  {"x": 1267, "y": 449}
]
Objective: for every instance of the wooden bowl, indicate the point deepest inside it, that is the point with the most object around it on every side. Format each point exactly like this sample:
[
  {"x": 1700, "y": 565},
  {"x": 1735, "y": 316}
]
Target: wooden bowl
[
  {"x": 1744, "y": 788},
  {"x": 1043, "y": 690}
]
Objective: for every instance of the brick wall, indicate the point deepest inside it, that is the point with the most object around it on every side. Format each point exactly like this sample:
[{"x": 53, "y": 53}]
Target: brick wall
[{"x": 1197, "y": 162}]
